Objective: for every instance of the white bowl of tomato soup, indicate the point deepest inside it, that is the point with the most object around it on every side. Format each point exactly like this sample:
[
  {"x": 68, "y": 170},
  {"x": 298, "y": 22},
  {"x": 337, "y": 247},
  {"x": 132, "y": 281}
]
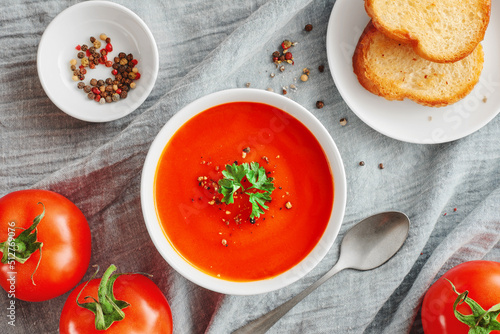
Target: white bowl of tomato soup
[{"x": 243, "y": 191}]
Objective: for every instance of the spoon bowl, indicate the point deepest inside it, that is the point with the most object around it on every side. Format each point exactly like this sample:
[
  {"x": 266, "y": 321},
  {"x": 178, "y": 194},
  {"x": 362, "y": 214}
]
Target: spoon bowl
[
  {"x": 367, "y": 245},
  {"x": 374, "y": 240}
]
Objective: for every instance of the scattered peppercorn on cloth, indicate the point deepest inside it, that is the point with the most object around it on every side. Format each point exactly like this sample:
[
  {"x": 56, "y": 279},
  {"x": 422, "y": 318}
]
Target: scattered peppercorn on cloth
[{"x": 451, "y": 191}]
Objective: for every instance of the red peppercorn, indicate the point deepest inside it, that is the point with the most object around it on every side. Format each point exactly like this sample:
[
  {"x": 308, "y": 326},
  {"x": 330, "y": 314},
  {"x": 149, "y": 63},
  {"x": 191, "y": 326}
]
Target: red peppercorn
[
  {"x": 87, "y": 52},
  {"x": 288, "y": 56},
  {"x": 114, "y": 72},
  {"x": 134, "y": 61},
  {"x": 96, "y": 90},
  {"x": 137, "y": 76},
  {"x": 92, "y": 66},
  {"x": 109, "y": 63},
  {"x": 78, "y": 47},
  {"x": 101, "y": 60},
  {"x": 109, "y": 47},
  {"x": 118, "y": 91},
  {"x": 83, "y": 71},
  {"x": 104, "y": 58},
  {"x": 97, "y": 98}
]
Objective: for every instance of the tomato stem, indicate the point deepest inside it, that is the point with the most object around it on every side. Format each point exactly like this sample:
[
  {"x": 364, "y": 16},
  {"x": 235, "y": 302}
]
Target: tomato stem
[
  {"x": 106, "y": 308},
  {"x": 21, "y": 248},
  {"x": 480, "y": 321}
]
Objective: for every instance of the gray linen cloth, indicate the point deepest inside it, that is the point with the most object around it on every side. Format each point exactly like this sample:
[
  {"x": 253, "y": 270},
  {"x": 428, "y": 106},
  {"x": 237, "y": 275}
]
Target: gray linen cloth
[{"x": 204, "y": 47}]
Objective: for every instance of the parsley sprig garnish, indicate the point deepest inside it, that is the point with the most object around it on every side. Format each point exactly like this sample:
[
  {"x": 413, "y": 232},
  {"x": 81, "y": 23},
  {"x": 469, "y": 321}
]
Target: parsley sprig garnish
[{"x": 256, "y": 175}]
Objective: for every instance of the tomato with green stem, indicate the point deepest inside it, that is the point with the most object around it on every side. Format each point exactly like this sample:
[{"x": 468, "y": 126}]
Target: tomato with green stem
[
  {"x": 117, "y": 303},
  {"x": 466, "y": 299},
  {"x": 45, "y": 243}
]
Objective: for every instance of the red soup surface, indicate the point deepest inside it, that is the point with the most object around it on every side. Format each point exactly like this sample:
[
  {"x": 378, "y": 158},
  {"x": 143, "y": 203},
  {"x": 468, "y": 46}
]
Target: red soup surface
[{"x": 220, "y": 239}]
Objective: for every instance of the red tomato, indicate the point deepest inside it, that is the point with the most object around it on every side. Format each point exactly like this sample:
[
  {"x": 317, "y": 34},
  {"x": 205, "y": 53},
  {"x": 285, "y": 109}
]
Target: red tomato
[
  {"x": 480, "y": 278},
  {"x": 65, "y": 235},
  {"x": 148, "y": 312}
]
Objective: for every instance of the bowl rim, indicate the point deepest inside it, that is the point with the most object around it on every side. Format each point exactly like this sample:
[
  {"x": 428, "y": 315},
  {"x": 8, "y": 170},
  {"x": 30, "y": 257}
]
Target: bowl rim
[
  {"x": 175, "y": 260},
  {"x": 147, "y": 86}
]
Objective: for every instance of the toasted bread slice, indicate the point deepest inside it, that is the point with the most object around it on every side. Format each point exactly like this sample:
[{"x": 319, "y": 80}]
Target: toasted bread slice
[
  {"x": 393, "y": 70},
  {"x": 439, "y": 30}
]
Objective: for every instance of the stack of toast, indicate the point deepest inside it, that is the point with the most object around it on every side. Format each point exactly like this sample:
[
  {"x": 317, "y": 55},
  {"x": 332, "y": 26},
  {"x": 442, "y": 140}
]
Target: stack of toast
[{"x": 428, "y": 51}]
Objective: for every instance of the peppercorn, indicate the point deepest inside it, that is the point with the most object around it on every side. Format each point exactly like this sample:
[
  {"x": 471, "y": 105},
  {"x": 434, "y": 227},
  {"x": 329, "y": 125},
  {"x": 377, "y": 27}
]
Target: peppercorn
[
  {"x": 97, "y": 98},
  {"x": 72, "y": 62},
  {"x": 130, "y": 57},
  {"x": 343, "y": 121},
  {"x": 321, "y": 68},
  {"x": 122, "y": 55},
  {"x": 108, "y": 40},
  {"x": 91, "y": 65},
  {"x": 381, "y": 166},
  {"x": 124, "y": 94},
  {"x": 97, "y": 44},
  {"x": 81, "y": 85},
  {"x": 73, "y": 67},
  {"x": 286, "y": 44},
  {"x": 361, "y": 163},
  {"x": 80, "y": 55},
  {"x": 131, "y": 76},
  {"x": 92, "y": 50},
  {"x": 85, "y": 62},
  {"x": 85, "y": 47},
  {"x": 87, "y": 89},
  {"x": 319, "y": 104},
  {"x": 92, "y": 39},
  {"x": 304, "y": 77},
  {"x": 74, "y": 77},
  {"x": 288, "y": 56},
  {"x": 100, "y": 82},
  {"x": 109, "y": 99},
  {"x": 308, "y": 27},
  {"x": 90, "y": 96},
  {"x": 123, "y": 61},
  {"x": 132, "y": 85},
  {"x": 103, "y": 37},
  {"x": 115, "y": 97}
]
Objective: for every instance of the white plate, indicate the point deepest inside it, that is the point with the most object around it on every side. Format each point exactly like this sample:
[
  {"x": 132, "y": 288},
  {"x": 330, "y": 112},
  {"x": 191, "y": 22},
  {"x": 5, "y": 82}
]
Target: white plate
[
  {"x": 73, "y": 27},
  {"x": 407, "y": 120}
]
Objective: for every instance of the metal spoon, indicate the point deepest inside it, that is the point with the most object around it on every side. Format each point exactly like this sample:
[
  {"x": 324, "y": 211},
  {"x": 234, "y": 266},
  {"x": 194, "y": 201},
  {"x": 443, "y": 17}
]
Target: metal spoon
[{"x": 367, "y": 245}]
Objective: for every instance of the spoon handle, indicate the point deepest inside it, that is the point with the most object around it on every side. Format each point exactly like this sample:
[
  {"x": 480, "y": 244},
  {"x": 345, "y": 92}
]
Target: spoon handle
[{"x": 262, "y": 324}]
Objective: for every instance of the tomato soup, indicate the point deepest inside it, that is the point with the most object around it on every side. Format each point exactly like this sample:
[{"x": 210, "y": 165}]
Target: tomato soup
[{"x": 220, "y": 239}]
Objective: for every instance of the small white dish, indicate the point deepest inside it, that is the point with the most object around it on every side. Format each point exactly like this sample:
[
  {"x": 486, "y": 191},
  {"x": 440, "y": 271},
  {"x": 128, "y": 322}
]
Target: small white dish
[
  {"x": 153, "y": 224},
  {"x": 407, "y": 120},
  {"x": 73, "y": 27}
]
